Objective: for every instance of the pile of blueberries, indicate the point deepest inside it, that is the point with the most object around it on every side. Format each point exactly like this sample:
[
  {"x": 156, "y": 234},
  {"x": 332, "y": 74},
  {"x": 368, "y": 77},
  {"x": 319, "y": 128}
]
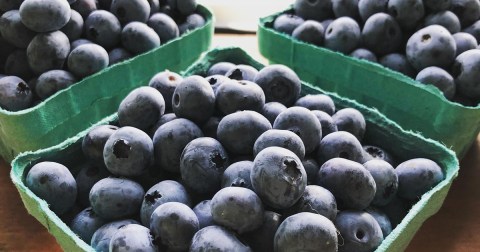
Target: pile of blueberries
[
  {"x": 48, "y": 45},
  {"x": 434, "y": 42},
  {"x": 234, "y": 161}
]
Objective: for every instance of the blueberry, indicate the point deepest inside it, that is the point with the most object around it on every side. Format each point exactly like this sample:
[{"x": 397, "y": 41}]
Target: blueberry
[
  {"x": 382, "y": 220},
  {"x": 17, "y": 65},
  {"x": 166, "y": 82},
  {"x": 365, "y": 54},
  {"x": 317, "y": 102},
  {"x": 45, "y": 16},
  {"x": 408, "y": 13},
  {"x": 103, "y": 28},
  {"x": 311, "y": 168},
  {"x": 173, "y": 224},
  {"x": 310, "y": 31},
  {"x": 160, "y": 193},
  {"x": 132, "y": 237},
  {"x": 117, "y": 55},
  {"x": 397, "y": 62},
  {"x": 326, "y": 121},
  {"x": 78, "y": 43},
  {"x": 345, "y": 8},
  {"x": 94, "y": 142},
  {"x": 102, "y": 237},
  {"x": 375, "y": 152},
  {"x": 468, "y": 11},
  {"x": 325, "y": 23},
  {"x": 396, "y": 210},
  {"x": 204, "y": 214},
  {"x": 386, "y": 181},
  {"x": 128, "y": 11},
  {"x": 74, "y": 28},
  {"x": 184, "y": 7},
  {"x": 367, "y": 8},
  {"x": 464, "y": 42},
  {"x": 194, "y": 99},
  {"x": 217, "y": 80},
  {"x": 381, "y": 34},
  {"x": 314, "y": 9},
  {"x": 351, "y": 184},
  {"x": 261, "y": 239},
  {"x": 238, "y": 174},
  {"x": 439, "y": 78},
  {"x": 318, "y": 200},
  {"x": 437, "y": 6},
  {"x": 216, "y": 238},
  {"x": 340, "y": 144},
  {"x": 164, "y": 26},
  {"x": 14, "y": 31},
  {"x": 272, "y": 109},
  {"x": 280, "y": 84},
  {"x": 287, "y": 23},
  {"x": 88, "y": 176},
  {"x": 474, "y": 30},
  {"x": 210, "y": 128},
  {"x": 238, "y": 131},
  {"x": 359, "y": 230},
  {"x": 86, "y": 223},
  {"x": 139, "y": 38},
  {"x": 431, "y": 46},
  {"x": 350, "y": 120},
  {"x": 417, "y": 176},
  {"x": 342, "y": 35},
  {"x": 220, "y": 68},
  {"x": 306, "y": 232},
  {"x": 446, "y": 19},
  {"x": 242, "y": 72},
  {"x": 53, "y": 81},
  {"x": 169, "y": 141},
  {"x": 116, "y": 198},
  {"x": 5, "y": 49},
  {"x": 48, "y": 51},
  {"x": 280, "y": 138},
  {"x": 239, "y": 95},
  {"x": 465, "y": 72},
  {"x": 192, "y": 22},
  {"x": 15, "y": 94},
  {"x": 88, "y": 59},
  {"x": 84, "y": 7},
  {"x": 128, "y": 152},
  {"x": 10, "y": 5},
  {"x": 278, "y": 177},
  {"x": 202, "y": 164},
  {"x": 53, "y": 183}
]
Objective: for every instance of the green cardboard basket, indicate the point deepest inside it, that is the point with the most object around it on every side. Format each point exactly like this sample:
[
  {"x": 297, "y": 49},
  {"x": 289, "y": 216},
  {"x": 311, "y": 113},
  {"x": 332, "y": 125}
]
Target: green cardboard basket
[
  {"x": 380, "y": 131},
  {"x": 78, "y": 107},
  {"x": 415, "y": 106}
]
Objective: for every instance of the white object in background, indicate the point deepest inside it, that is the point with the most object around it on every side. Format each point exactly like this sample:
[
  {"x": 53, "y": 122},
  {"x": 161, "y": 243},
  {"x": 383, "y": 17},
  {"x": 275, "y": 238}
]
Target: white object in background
[{"x": 243, "y": 15}]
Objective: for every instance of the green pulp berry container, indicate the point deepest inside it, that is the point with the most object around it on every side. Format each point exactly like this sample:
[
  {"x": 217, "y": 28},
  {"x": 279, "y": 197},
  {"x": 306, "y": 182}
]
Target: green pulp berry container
[
  {"x": 414, "y": 106},
  {"x": 78, "y": 107},
  {"x": 380, "y": 131}
]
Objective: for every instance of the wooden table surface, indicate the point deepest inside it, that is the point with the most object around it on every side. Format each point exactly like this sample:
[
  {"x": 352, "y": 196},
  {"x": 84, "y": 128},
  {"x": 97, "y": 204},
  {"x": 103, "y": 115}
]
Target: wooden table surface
[{"x": 454, "y": 228}]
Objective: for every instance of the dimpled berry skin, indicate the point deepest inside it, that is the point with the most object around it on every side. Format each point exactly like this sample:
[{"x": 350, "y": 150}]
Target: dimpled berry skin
[
  {"x": 53, "y": 183},
  {"x": 238, "y": 131},
  {"x": 15, "y": 94},
  {"x": 280, "y": 84},
  {"x": 280, "y": 138},
  {"x": 237, "y": 208},
  {"x": 238, "y": 174},
  {"x": 116, "y": 198},
  {"x": 386, "y": 181},
  {"x": 381, "y": 34},
  {"x": 350, "y": 120},
  {"x": 466, "y": 72},
  {"x": 204, "y": 214},
  {"x": 103, "y": 28},
  {"x": 375, "y": 152},
  {"x": 242, "y": 72},
  {"x": 408, "y": 13},
  {"x": 306, "y": 232},
  {"x": 216, "y": 238},
  {"x": 351, "y": 184},
  {"x": 53, "y": 81},
  {"x": 342, "y": 35},
  {"x": 278, "y": 177},
  {"x": 202, "y": 164},
  {"x": 138, "y": 38},
  {"x": 316, "y": 199},
  {"x": 160, "y": 193},
  {"x": 317, "y": 102},
  {"x": 142, "y": 108},
  {"x": 239, "y": 95},
  {"x": 128, "y": 11},
  {"x": 45, "y": 16},
  {"x": 417, "y": 176},
  {"x": 174, "y": 224},
  {"x": 431, "y": 46},
  {"x": 360, "y": 231},
  {"x": 287, "y": 23},
  {"x": 194, "y": 99},
  {"x": 128, "y": 152},
  {"x": 446, "y": 19},
  {"x": 86, "y": 223},
  {"x": 94, "y": 142},
  {"x": 14, "y": 31},
  {"x": 132, "y": 237},
  {"x": 48, "y": 51},
  {"x": 439, "y": 78},
  {"x": 102, "y": 237},
  {"x": 272, "y": 109},
  {"x": 313, "y": 9},
  {"x": 87, "y": 59},
  {"x": 166, "y": 82},
  {"x": 302, "y": 122},
  {"x": 169, "y": 141}
]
